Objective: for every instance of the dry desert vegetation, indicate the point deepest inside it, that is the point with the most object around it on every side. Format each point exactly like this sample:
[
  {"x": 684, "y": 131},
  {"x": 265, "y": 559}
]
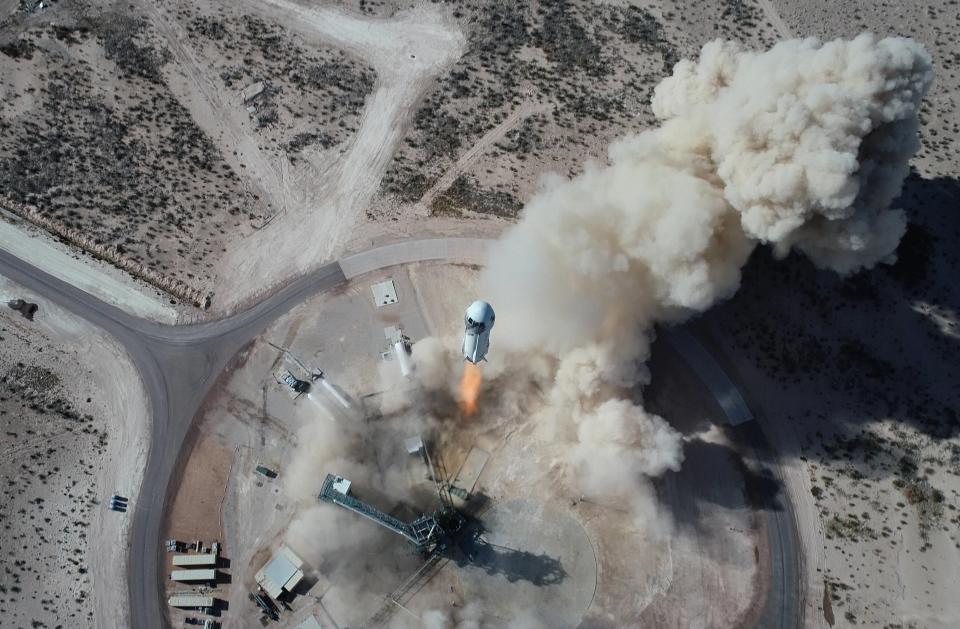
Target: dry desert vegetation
[
  {"x": 543, "y": 85},
  {"x": 95, "y": 137},
  {"x": 72, "y": 431},
  {"x": 158, "y": 127},
  {"x": 854, "y": 380}
]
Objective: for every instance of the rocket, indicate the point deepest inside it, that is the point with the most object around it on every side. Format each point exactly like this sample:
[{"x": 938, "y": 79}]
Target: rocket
[{"x": 478, "y": 321}]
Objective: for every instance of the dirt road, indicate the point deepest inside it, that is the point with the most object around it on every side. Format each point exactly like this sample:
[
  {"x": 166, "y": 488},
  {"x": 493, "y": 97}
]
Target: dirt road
[{"x": 318, "y": 204}]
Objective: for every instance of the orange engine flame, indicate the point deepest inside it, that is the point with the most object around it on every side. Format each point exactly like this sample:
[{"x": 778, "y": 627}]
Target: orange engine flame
[{"x": 470, "y": 388}]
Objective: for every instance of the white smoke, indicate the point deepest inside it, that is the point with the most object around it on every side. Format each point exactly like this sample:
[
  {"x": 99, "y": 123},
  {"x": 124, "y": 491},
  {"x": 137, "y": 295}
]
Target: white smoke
[
  {"x": 804, "y": 146},
  {"x": 801, "y": 147},
  {"x": 471, "y": 616},
  {"x": 811, "y": 140}
]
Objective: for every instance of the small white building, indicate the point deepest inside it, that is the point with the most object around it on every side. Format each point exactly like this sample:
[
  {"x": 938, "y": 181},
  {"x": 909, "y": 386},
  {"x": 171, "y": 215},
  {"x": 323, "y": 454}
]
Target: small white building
[
  {"x": 414, "y": 445},
  {"x": 282, "y": 573},
  {"x": 384, "y": 293},
  {"x": 342, "y": 485},
  {"x": 252, "y": 91}
]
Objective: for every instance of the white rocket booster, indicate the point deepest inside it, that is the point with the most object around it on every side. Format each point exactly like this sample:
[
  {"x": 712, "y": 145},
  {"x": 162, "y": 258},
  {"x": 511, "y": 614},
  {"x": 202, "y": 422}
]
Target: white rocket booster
[{"x": 478, "y": 320}]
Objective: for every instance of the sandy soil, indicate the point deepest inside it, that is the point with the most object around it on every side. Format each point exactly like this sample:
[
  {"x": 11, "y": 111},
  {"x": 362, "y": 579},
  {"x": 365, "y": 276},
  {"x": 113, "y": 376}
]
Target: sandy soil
[
  {"x": 166, "y": 55},
  {"x": 196, "y": 512},
  {"x": 322, "y": 209},
  {"x": 544, "y": 87},
  {"x": 854, "y": 379},
  {"x": 100, "y": 279},
  {"x": 74, "y": 431}
]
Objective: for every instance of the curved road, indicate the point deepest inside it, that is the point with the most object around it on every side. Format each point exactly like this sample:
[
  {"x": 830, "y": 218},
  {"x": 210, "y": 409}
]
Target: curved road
[
  {"x": 178, "y": 365},
  {"x": 783, "y": 606}
]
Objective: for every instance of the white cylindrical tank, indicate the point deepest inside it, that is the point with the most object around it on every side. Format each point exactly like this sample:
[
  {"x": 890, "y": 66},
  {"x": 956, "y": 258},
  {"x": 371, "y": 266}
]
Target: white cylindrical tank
[
  {"x": 403, "y": 358},
  {"x": 332, "y": 390}
]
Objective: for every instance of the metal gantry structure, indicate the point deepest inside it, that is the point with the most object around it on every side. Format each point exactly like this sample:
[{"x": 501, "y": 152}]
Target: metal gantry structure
[
  {"x": 422, "y": 532},
  {"x": 435, "y": 535}
]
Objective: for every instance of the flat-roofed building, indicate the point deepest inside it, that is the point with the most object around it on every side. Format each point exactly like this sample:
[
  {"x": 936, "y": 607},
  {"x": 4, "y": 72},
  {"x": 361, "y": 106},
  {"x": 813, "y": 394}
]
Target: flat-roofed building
[
  {"x": 195, "y": 560},
  {"x": 282, "y": 573},
  {"x": 190, "y": 600},
  {"x": 193, "y": 575}
]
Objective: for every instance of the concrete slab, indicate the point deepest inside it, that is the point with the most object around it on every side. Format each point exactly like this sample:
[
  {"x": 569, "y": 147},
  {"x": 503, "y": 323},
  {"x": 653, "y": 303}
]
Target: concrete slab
[
  {"x": 536, "y": 559},
  {"x": 384, "y": 293},
  {"x": 468, "y": 250},
  {"x": 471, "y": 468}
]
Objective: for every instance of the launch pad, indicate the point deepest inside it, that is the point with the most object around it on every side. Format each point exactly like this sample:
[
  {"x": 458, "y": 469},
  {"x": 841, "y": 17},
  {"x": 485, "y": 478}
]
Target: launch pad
[{"x": 523, "y": 551}]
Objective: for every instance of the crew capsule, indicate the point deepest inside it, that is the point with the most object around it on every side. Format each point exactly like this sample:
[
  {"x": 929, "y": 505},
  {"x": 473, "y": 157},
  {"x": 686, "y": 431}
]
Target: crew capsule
[{"x": 478, "y": 321}]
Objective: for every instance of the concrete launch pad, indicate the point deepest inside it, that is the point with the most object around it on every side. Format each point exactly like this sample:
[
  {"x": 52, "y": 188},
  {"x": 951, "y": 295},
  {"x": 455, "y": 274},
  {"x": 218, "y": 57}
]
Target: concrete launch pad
[
  {"x": 537, "y": 560},
  {"x": 542, "y": 553}
]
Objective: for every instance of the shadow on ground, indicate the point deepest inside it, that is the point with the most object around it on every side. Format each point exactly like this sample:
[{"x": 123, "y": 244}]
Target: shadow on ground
[{"x": 512, "y": 563}]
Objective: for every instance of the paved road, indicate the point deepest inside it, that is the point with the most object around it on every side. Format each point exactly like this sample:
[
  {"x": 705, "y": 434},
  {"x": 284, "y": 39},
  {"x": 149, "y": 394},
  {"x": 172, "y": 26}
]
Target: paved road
[
  {"x": 711, "y": 374},
  {"x": 178, "y": 365},
  {"x": 783, "y": 606}
]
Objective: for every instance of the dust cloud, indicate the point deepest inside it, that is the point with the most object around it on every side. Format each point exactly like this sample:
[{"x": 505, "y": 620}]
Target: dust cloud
[
  {"x": 470, "y": 616},
  {"x": 802, "y": 147}
]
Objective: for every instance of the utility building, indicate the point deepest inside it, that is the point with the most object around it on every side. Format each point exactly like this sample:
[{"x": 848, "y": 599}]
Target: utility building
[
  {"x": 193, "y": 576},
  {"x": 281, "y": 574}
]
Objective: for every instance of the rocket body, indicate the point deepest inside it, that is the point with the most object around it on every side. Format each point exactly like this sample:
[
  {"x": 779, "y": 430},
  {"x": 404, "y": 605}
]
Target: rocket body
[{"x": 478, "y": 321}]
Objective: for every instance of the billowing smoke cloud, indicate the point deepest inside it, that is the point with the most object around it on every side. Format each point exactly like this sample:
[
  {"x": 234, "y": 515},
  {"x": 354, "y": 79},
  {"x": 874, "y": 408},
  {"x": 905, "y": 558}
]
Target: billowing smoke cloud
[
  {"x": 811, "y": 141},
  {"x": 470, "y": 617},
  {"x": 804, "y": 146}
]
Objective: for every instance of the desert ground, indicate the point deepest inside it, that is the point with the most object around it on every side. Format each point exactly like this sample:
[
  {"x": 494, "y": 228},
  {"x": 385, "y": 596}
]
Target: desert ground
[
  {"x": 238, "y": 146},
  {"x": 74, "y": 428}
]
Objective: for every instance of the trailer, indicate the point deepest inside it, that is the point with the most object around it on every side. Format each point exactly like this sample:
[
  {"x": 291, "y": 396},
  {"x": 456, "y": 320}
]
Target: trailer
[
  {"x": 263, "y": 470},
  {"x": 191, "y": 601},
  {"x": 205, "y": 559},
  {"x": 193, "y": 576}
]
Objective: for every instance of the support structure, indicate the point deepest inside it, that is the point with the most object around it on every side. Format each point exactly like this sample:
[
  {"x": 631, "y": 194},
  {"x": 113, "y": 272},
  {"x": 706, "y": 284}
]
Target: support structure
[{"x": 422, "y": 532}]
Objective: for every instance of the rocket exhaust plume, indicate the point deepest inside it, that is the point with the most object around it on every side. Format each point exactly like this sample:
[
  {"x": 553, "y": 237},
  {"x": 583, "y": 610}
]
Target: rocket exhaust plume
[{"x": 469, "y": 391}]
